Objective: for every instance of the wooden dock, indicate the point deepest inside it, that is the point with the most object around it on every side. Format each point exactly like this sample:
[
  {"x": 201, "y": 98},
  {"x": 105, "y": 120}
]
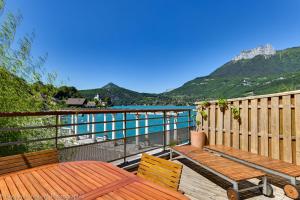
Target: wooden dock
[{"x": 199, "y": 184}]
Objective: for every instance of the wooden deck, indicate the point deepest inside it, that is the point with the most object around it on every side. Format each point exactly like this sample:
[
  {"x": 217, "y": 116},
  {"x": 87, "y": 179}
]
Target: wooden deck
[{"x": 199, "y": 184}]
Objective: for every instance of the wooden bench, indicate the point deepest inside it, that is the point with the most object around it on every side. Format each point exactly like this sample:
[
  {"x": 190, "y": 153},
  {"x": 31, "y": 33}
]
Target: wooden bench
[
  {"x": 19, "y": 162},
  {"x": 226, "y": 169},
  {"x": 272, "y": 166},
  {"x": 160, "y": 171}
]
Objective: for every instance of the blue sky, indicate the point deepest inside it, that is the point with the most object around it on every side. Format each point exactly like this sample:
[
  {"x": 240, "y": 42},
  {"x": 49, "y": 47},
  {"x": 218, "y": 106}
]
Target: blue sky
[{"x": 151, "y": 45}]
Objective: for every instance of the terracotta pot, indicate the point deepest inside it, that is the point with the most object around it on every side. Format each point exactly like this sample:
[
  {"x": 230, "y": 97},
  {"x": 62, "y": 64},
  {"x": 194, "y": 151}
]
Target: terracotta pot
[{"x": 198, "y": 139}]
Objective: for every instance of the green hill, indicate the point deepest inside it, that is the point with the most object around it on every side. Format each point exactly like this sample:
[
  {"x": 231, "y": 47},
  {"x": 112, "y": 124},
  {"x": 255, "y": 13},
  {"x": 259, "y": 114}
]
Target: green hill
[
  {"x": 123, "y": 96},
  {"x": 259, "y": 75}
]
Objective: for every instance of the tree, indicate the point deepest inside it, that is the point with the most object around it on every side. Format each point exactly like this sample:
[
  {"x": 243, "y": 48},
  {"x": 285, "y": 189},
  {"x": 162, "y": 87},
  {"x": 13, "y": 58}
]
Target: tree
[
  {"x": 21, "y": 87},
  {"x": 20, "y": 65},
  {"x": 65, "y": 92},
  {"x": 108, "y": 101}
]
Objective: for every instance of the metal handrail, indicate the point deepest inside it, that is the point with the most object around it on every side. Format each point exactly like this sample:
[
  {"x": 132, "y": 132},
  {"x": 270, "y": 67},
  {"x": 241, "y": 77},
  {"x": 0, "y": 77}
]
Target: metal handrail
[
  {"x": 107, "y": 111},
  {"x": 179, "y": 113},
  {"x": 79, "y": 124}
]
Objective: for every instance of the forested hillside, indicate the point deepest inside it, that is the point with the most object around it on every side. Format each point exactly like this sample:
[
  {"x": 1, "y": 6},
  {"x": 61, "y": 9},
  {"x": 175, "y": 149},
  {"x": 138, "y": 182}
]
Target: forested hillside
[{"x": 259, "y": 75}]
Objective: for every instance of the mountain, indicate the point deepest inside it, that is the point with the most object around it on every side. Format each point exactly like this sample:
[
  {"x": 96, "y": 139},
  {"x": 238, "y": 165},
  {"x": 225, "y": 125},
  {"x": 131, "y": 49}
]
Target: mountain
[
  {"x": 256, "y": 71},
  {"x": 276, "y": 72},
  {"x": 123, "y": 96},
  {"x": 283, "y": 61}
]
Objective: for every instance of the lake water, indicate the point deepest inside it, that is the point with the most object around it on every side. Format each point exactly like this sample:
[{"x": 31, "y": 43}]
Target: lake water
[{"x": 182, "y": 121}]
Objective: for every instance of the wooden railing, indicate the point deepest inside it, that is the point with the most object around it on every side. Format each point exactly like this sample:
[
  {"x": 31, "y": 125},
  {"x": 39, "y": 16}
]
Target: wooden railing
[{"x": 268, "y": 125}]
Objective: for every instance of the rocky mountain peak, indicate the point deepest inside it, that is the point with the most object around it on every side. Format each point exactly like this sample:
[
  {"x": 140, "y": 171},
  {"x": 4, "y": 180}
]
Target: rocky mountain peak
[
  {"x": 265, "y": 50},
  {"x": 110, "y": 85}
]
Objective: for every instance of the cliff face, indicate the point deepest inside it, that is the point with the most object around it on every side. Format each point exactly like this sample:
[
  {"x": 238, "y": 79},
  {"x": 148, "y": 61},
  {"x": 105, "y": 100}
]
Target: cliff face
[{"x": 265, "y": 50}]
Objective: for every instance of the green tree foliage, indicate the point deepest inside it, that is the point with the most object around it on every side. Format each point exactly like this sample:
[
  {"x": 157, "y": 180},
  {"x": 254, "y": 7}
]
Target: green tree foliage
[
  {"x": 21, "y": 87},
  {"x": 65, "y": 92}
]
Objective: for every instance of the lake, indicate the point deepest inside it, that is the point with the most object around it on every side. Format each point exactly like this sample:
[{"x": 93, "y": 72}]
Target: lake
[{"x": 155, "y": 124}]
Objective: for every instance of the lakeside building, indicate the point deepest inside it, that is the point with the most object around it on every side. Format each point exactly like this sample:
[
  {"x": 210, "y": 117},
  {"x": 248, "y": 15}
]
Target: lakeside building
[{"x": 76, "y": 102}]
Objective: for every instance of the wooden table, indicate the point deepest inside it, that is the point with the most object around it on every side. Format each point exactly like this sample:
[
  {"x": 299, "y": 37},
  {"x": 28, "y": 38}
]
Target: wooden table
[{"x": 80, "y": 180}]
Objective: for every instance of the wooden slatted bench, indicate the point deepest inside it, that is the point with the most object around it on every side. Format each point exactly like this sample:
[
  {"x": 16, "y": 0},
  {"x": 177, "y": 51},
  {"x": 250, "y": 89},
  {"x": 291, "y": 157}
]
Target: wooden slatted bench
[
  {"x": 272, "y": 166},
  {"x": 229, "y": 170},
  {"x": 9, "y": 164}
]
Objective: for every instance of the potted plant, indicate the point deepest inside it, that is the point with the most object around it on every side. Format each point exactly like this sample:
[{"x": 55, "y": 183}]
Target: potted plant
[
  {"x": 205, "y": 104},
  {"x": 198, "y": 137},
  {"x": 203, "y": 114},
  {"x": 223, "y": 104},
  {"x": 236, "y": 113}
]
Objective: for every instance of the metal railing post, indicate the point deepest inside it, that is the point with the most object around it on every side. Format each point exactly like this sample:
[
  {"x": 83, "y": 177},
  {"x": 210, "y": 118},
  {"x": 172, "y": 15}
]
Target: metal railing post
[
  {"x": 175, "y": 137},
  {"x": 113, "y": 127},
  {"x": 125, "y": 137},
  {"x": 168, "y": 130},
  {"x": 56, "y": 131},
  {"x": 93, "y": 128},
  {"x": 189, "y": 126},
  {"x": 137, "y": 130},
  {"x": 88, "y": 122},
  {"x": 147, "y": 129},
  {"x": 164, "y": 129}
]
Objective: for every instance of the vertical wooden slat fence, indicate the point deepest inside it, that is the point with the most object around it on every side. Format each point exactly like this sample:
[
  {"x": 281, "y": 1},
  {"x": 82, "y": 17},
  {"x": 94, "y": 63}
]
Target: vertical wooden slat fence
[
  {"x": 227, "y": 126},
  {"x": 220, "y": 127},
  {"x": 235, "y": 129},
  {"x": 254, "y": 126},
  {"x": 268, "y": 125},
  {"x": 212, "y": 124}
]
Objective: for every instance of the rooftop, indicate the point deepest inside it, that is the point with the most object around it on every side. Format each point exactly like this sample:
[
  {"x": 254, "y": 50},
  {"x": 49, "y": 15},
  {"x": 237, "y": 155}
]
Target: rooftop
[{"x": 75, "y": 101}]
